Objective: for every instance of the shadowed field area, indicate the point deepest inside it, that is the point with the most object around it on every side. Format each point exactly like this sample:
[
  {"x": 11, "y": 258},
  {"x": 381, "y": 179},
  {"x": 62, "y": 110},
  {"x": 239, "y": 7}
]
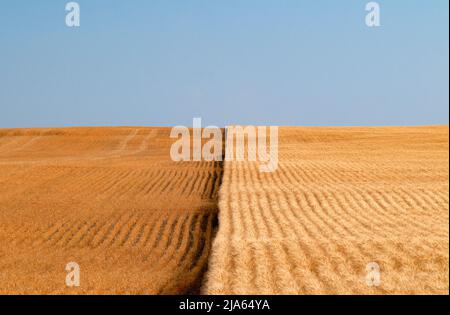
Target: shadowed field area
[
  {"x": 109, "y": 199},
  {"x": 341, "y": 198}
]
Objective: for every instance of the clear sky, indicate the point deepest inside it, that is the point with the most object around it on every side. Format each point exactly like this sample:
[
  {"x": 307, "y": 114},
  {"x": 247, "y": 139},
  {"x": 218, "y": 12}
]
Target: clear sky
[{"x": 274, "y": 62}]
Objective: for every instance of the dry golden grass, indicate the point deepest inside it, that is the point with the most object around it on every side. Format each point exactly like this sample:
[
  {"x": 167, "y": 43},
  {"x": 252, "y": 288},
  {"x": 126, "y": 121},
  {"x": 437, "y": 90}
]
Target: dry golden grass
[
  {"x": 109, "y": 199},
  {"x": 340, "y": 199}
]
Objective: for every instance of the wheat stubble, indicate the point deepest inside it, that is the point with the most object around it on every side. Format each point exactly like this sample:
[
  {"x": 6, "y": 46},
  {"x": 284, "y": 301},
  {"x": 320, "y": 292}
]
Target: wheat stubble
[
  {"x": 109, "y": 199},
  {"x": 340, "y": 199}
]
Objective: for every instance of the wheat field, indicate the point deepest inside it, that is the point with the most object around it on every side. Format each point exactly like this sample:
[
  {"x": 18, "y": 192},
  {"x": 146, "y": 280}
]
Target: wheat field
[
  {"x": 342, "y": 198},
  {"x": 109, "y": 199},
  {"x": 112, "y": 200}
]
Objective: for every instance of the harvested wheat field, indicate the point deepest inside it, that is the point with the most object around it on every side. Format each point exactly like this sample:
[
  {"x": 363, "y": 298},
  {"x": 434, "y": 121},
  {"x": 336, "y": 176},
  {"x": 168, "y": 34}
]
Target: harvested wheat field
[
  {"x": 109, "y": 199},
  {"x": 341, "y": 198}
]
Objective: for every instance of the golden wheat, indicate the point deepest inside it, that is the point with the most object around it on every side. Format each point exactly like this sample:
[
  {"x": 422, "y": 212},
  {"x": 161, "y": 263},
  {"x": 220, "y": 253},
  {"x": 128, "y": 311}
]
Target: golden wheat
[
  {"x": 341, "y": 198},
  {"x": 109, "y": 199}
]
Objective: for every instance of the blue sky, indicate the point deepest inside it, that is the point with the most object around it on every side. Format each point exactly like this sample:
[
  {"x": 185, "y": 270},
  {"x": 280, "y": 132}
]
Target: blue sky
[{"x": 274, "y": 62}]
